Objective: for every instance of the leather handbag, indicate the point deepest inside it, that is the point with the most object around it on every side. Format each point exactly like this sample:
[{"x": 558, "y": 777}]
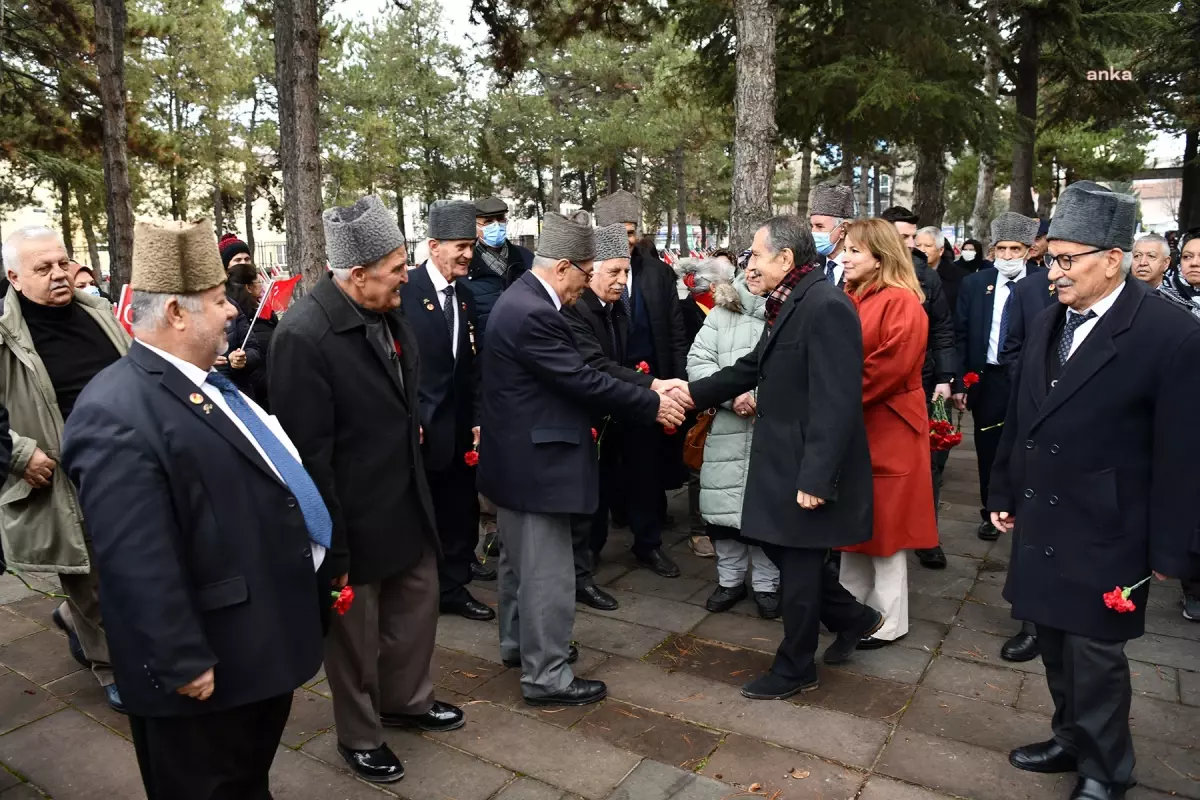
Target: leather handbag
[{"x": 697, "y": 435}]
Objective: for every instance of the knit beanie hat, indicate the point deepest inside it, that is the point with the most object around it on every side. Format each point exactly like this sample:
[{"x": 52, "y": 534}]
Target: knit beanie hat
[{"x": 230, "y": 245}]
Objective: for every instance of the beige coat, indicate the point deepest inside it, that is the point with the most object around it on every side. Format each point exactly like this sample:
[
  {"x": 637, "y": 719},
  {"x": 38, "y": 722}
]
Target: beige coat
[{"x": 41, "y": 529}]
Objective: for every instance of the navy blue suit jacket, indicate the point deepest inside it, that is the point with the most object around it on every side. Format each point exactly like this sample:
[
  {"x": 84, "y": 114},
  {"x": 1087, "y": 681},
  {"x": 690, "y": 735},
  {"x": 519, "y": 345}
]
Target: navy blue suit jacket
[
  {"x": 448, "y": 385},
  {"x": 1032, "y": 296},
  {"x": 973, "y": 320},
  {"x": 536, "y": 453}
]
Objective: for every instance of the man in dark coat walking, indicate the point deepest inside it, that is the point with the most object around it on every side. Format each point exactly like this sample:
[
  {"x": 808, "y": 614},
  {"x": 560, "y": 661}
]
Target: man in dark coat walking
[
  {"x": 344, "y": 380},
  {"x": 537, "y": 461},
  {"x": 651, "y": 460},
  {"x": 211, "y": 538},
  {"x": 809, "y": 487},
  {"x": 1095, "y": 478},
  {"x": 496, "y": 262},
  {"x": 441, "y": 310}
]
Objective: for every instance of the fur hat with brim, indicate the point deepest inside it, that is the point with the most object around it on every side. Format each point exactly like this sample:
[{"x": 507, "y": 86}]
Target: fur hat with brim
[
  {"x": 567, "y": 238},
  {"x": 831, "y": 200},
  {"x": 451, "y": 219},
  {"x": 618, "y": 208},
  {"x": 175, "y": 257},
  {"x": 1013, "y": 227},
  {"x": 611, "y": 242},
  {"x": 1087, "y": 213},
  {"x": 361, "y": 234}
]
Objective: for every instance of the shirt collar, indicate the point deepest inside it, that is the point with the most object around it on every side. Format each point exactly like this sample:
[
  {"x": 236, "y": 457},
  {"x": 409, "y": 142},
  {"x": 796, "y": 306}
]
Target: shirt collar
[
  {"x": 1103, "y": 305},
  {"x": 189, "y": 370},
  {"x": 549, "y": 290},
  {"x": 439, "y": 282},
  {"x": 1001, "y": 280}
]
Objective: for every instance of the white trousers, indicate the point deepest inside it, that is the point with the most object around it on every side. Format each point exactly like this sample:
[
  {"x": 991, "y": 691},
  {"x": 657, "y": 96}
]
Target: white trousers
[
  {"x": 881, "y": 583},
  {"x": 732, "y": 558}
]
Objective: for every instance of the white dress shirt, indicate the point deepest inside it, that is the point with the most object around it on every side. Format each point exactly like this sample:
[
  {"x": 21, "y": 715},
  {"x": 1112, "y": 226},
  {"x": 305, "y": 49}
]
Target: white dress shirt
[
  {"x": 1101, "y": 307},
  {"x": 549, "y": 290},
  {"x": 838, "y": 269},
  {"x": 1004, "y": 287},
  {"x": 439, "y": 286},
  {"x": 198, "y": 376}
]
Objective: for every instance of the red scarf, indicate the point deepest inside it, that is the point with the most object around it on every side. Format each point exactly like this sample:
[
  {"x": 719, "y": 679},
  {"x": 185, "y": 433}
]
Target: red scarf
[{"x": 779, "y": 294}]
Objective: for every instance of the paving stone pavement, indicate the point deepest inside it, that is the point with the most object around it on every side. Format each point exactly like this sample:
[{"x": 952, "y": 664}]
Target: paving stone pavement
[{"x": 931, "y": 717}]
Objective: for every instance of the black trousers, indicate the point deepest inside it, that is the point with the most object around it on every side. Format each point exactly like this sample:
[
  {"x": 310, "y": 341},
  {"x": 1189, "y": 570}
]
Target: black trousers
[
  {"x": 225, "y": 755},
  {"x": 1089, "y": 683},
  {"x": 589, "y": 532},
  {"x": 988, "y": 408},
  {"x": 642, "y": 453},
  {"x": 456, "y": 510},
  {"x": 810, "y": 595}
]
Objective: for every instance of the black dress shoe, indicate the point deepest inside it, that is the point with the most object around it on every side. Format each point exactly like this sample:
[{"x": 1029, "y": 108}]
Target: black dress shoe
[
  {"x": 580, "y": 692},
  {"x": 847, "y": 641},
  {"x": 768, "y": 604},
  {"x": 658, "y": 562},
  {"x": 933, "y": 558},
  {"x": 1092, "y": 789},
  {"x": 592, "y": 595},
  {"x": 376, "y": 766},
  {"x": 439, "y": 718},
  {"x": 773, "y": 687},
  {"x": 1022, "y": 647},
  {"x": 113, "y": 696},
  {"x": 726, "y": 597},
  {"x": 871, "y": 643},
  {"x": 73, "y": 645},
  {"x": 469, "y": 608},
  {"x": 572, "y": 657},
  {"x": 988, "y": 532},
  {"x": 1043, "y": 757},
  {"x": 482, "y": 572}
]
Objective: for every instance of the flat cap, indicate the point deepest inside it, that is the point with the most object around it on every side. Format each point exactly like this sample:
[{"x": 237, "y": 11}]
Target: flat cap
[
  {"x": 611, "y": 242},
  {"x": 1088, "y": 213},
  {"x": 490, "y": 207},
  {"x": 451, "y": 219},
  {"x": 1013, "y": 227},
  {"x": 175, "y": 257},
  {"x": 832, "y": 200},
  {"x": 619, "y": 207},
  {"x": 361, "y": 234},
  {"x": 566, "y": 238}
]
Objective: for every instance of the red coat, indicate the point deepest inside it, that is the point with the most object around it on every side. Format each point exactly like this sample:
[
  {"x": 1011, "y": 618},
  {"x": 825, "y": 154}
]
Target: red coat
[{"x": 895, "y": 329}]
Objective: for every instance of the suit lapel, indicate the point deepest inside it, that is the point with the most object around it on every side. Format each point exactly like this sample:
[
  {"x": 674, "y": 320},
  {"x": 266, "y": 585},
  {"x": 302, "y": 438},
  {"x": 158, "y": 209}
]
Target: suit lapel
[
  {"x": 435, "y": 316},
  {"x": 989, "y": 305}
]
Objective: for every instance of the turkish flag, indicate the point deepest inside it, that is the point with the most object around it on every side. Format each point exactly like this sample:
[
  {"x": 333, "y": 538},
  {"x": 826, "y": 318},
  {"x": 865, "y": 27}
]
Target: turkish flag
[
  {"x": 125, "y": 309},
  {"x": 279, "y": 297}
]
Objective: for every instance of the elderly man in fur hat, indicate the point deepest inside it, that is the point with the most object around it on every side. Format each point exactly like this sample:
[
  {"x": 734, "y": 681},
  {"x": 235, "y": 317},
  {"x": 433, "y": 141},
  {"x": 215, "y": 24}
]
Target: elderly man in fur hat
[
  {"x": 209, "y": 534},
  {"x": 830, "y": 207},
  {"x": 1095, "y": 478},
  {"x": 344, "y": 382}
]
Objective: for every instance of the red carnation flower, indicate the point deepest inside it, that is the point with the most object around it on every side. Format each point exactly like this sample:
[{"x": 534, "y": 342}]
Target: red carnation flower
[
  {"x": 643, "y": 367},
  {"x": 471, "y": 457},
  {"x": 343, "y": 600},
  {"x": 970, "y": 379},
  {"x": 1118, "y": 599},
  {"x": 595, "y": 435},
  {"x": 670, "y": 430}
]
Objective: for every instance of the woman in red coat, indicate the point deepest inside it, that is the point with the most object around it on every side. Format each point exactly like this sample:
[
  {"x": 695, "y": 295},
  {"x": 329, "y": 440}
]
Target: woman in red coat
[{"x": 883, "y": 286}]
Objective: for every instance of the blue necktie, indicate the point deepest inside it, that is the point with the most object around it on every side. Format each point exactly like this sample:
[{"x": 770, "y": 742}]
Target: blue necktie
[
  {"x": 316, "y": 515},
  {"x": 627, "y": 301},
  {"x": 1008, "y": 301},
  {"x": 1070, "y": 325},
  {"x": 829, "y": 265}
]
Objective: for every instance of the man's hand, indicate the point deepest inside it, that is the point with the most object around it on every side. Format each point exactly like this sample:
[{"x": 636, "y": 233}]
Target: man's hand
[
  {"x": 475, "y": 433},
  {"x": 676, "y": 388},
  {"x": 960, "y": 401},
  {"x": 340, "y": 581},
  {"x": 221, "y": 361},
  {"x": 942, "y": 390},
  {"x": 421, "y": 428},
  {"x": 199, "y": 689},
  {"x": 1161, "y": 577},
  {"x": 808, "y": 501},
  {"x": 39, "y": 470},
  {"x": 744, "y": 405},
  {"x": 237, "y": 359},
  {"x": 1003, "y": 521},
  {"x": 670, "y": 412}
]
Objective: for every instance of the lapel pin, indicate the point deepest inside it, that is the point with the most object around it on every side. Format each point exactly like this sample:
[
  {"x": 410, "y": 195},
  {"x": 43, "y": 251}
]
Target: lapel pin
[
  {"x": 196, "y": 398},
  {"x": 428, "y": 304},
  {"x": 990, "y": 288},
  {"x": 206, "y": 408}
]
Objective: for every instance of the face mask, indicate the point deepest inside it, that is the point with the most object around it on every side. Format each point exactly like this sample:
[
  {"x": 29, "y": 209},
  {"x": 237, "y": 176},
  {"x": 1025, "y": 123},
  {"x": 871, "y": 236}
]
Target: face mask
[
  {"x": 968, "y": 255},
  {"x": 494, "y": 233},
  {"x": 1010, "y": 267},
  {"x": 93, "y": 290},
  {"x": 821, "y": 239}
]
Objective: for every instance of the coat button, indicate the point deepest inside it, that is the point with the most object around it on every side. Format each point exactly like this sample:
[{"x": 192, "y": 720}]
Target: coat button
[
  {"x": 1029, "y": 444},
  {"x": 307, "y": 553},
  {"x": 1054, "y": 449},
  {"x": 1049, "y": 552},
  {"x": 759, "y": 415},
  {"x": 1053, "y": 499},
  {"x": 291, "y": 502},
  {"x": 1029, "y": 494}
]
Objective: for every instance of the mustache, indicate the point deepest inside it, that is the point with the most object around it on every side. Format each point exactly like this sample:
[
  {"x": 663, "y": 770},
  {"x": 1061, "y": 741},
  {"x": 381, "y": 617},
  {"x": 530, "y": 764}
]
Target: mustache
[{"x": 1064, "y": 283}]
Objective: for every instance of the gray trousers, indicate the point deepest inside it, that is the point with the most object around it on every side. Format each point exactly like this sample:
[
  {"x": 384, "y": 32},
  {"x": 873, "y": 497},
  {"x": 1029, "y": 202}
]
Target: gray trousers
[
  {"x": 379, "y": 655},
  {"x": 537, "y": 598},
  {"x": 81, "y": 612}
]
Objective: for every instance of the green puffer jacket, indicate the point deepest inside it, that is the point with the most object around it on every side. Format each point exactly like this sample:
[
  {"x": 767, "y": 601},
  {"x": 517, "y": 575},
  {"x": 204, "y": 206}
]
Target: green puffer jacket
[
  {"x": 732, "y": 329},
  {"x": 41, "y": 529}
]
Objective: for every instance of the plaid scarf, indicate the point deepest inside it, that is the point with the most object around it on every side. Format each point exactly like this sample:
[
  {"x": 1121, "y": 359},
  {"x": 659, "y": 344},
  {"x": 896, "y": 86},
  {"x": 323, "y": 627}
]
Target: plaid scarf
[
  {"x": 779, "y": 295},
  {"x": 496, "y": 260}
]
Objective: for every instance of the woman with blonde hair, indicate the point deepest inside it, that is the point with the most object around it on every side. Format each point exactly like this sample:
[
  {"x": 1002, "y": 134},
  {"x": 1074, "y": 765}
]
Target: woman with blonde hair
[{"x": 882, "y": 284}]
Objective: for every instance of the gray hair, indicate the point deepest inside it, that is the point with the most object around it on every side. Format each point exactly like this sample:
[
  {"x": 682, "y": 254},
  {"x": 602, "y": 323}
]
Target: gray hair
[
  {"x": 544, "y": 262},
  {"x": 789, "y": 232},
  {"x": 11, "y": 256},
  {"x": 342, "y": 274},
  {"x": 149, "y": 309},
  {"x": 1156, "y": 238},
  {"x": 1126, "y": 262},
  {"x": 934, "y": 233},
  {"x": 710, "y": 271}
]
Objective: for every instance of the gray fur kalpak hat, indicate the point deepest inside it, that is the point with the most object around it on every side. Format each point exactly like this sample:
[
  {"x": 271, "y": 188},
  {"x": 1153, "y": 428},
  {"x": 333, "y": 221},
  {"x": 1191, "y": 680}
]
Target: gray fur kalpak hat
[
  {"x": 361, "y": 234},
  {"x": 832, "y": 200},
  {"x": 611, "y": 242},
  {"x": 1087, "y": 213},
  {"x": 619, "y": 207},
  {"x": 566, "y": 238},
  {"x": 1013, "y": 227},
  {"x": 451, "y": 219}
]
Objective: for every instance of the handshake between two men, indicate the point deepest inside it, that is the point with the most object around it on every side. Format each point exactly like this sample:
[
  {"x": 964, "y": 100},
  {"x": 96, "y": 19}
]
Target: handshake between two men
[{"x": 674, "y": 401}]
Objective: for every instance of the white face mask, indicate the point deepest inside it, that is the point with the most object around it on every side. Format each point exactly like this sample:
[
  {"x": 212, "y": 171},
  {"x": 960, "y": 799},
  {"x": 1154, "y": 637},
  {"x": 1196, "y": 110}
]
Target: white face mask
[
  {"x": 968, "y": 255},
  {"x": 1010, "y": 267}
]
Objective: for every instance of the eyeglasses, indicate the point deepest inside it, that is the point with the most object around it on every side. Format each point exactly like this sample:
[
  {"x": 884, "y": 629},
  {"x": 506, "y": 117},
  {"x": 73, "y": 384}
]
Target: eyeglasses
[
  {"x": 586, "y": 273},
  {"x": 1067, "y": 260}
]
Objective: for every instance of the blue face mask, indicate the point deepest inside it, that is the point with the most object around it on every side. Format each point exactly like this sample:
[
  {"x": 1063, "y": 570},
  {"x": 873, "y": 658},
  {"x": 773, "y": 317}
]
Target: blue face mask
[
  {"x": 821, "y": 239},
  {"x": 93, "y": 290},
  {"x": 494, "y": 233}
]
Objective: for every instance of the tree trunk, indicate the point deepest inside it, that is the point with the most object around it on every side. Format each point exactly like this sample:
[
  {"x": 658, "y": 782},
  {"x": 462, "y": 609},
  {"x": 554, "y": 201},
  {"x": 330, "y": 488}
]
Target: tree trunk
[
  {"x": 670, "y": 220},
  {"x": 67, "y": 228},
  {"x": 250, "y": 193},
  {"x": 637, "y": 179},
  {"x": 846, "y": 170},
  {"x": 610, "y": 178},
  {"x": 681, "y": 199},
  {"x": 556, "y": 184},
  {"x": 703, "y": 234},
  {"x": 1026, "y": 91},
  {"x": 929, "y": 187},
  {"x": 891, "y": 201},
  {"x": 805, "y": 181},
  {"x": 399, "y": 192},
  {"x": 985, "y": 181},
  {"x": 754, "y": 119},
  {"x": 89, "y": 231},
  {"x": 1189, "y": 201},
  {"x": 110, "y": 66},
  {"x": 249, "y": 174},
  {"x": 864, "y": 187},
  {"x": 218, "y": 211},
  {"x": 875, "y": 190},
  {"x": 297, "y": 39}
]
